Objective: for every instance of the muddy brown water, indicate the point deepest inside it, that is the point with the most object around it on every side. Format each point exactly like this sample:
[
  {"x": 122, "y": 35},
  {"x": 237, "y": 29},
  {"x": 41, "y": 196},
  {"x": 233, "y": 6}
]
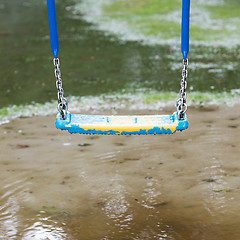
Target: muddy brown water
[{"x": 59, "y": 186}]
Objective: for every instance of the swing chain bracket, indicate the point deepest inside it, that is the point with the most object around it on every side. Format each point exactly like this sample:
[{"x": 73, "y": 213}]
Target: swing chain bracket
[
  {"x": 182, "y": 101},
  {"x": 62, "y": 101}
]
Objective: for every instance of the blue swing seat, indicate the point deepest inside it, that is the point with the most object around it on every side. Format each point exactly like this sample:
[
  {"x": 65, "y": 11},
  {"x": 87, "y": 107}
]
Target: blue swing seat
[{"x": 121, "y": 125}]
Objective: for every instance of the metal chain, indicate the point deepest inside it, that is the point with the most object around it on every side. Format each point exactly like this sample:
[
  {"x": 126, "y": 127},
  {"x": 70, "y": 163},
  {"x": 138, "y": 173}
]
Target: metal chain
[
  {"x": 62, "y": 101},
  {"x": 182, "y": 101}
]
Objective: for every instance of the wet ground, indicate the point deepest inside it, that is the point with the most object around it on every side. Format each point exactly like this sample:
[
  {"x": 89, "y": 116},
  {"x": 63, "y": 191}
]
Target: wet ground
[{"x": 59, "y": 186}]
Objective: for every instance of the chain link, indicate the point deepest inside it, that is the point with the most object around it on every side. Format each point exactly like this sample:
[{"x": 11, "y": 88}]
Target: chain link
[
  {"x": 182, "y": 101},
  {"x": 62, "y": 101},
  {"x": 63, "y": 104}
]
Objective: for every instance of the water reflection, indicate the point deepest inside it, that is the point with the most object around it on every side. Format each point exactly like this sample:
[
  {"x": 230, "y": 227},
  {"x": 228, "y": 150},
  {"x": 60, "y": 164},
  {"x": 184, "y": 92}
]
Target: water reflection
[
  {"x": 109, "y": 187},
  {"x": 9, "y": 201},
  {"x": 13, "y": 226},
  {"x": 215, "y": 198},
  {"x": 117, "y": 206},
  {"x": 44, "y": 228}
]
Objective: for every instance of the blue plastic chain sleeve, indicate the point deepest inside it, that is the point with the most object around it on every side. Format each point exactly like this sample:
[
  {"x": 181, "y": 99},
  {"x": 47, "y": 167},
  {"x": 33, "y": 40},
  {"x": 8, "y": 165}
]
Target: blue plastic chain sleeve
[
  {"x": 53, "y": 27},
  {"x": 185, "y": 27}
]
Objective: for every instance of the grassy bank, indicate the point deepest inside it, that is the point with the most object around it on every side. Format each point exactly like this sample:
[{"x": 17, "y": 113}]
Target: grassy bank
[
  {"x": 212, "y": 22},
  {"x": 131, "y": 101}
]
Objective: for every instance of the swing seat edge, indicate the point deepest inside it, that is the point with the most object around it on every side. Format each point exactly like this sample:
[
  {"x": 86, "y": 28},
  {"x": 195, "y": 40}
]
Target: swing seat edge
[{"x": 121, "y": 125}]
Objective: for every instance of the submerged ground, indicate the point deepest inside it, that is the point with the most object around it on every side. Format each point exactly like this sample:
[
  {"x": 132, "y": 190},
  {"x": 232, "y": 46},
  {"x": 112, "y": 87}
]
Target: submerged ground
[{"x": 184, "y": 186}]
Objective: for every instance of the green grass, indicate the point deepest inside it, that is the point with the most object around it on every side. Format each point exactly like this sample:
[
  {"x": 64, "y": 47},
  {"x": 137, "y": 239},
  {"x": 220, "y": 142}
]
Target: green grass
[
  {"x": 3, "y": 112},
  {"x": 194, "y": 97},
  {"x": 204, "y": 34},
  {"x": 143, "y": 15},
  {"x": 168, "y": 29},
  {"x": 155, "y": 97},
  {"x": 147, "y": 17},
  {"x": 231, "y": 9},
  {"x": 141, "y": 7}
]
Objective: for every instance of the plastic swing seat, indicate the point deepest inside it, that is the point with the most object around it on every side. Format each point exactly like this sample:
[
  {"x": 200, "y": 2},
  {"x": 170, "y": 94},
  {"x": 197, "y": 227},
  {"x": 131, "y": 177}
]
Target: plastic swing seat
[{"x": 122, "y": 125}]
